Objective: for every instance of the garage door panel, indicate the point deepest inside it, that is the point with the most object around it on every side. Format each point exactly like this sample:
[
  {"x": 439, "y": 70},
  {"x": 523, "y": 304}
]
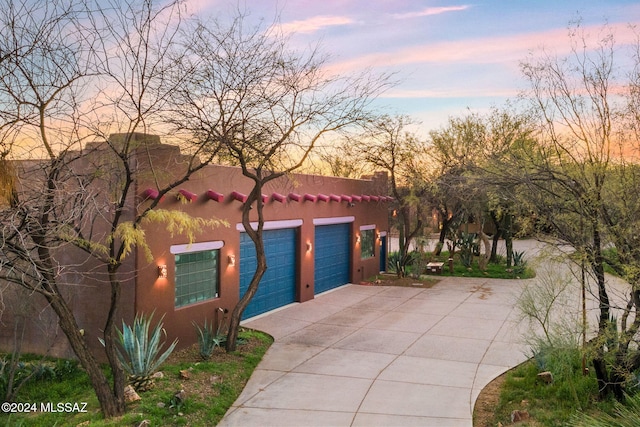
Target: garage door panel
[
  {"x": 332, "y": 256},
  {"x": 278, "y": 285}
]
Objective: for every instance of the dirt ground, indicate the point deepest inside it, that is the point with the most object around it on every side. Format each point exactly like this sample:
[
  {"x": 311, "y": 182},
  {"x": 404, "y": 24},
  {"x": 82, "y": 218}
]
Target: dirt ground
[
  {"x": 486, "y": 403},
  {"x": 393, "y": 280}
]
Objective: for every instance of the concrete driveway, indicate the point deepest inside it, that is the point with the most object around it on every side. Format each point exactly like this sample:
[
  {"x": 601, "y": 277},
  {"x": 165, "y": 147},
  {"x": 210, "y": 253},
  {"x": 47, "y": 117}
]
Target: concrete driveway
[{"x": 383, "y": 356}]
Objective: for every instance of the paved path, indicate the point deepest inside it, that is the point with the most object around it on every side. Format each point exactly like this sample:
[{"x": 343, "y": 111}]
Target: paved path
[{"x": 383, "y": 356}]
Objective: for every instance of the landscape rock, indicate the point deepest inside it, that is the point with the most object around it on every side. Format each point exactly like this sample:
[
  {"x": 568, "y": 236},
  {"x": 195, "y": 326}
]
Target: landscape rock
[
  {"x": 130, "y": 394},
  {"x": 546, "y": 377},
  {"x": 519, "y": 416}
]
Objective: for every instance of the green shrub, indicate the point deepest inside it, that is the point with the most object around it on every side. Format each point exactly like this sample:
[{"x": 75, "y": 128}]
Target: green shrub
[
  {"x": 398, "y": 263},
  {"x": 519, "y": 263},
  {"x": 141, "y": 356},
  {"x": 625, "y": 414},
  {"x": 208, "y": 339}
]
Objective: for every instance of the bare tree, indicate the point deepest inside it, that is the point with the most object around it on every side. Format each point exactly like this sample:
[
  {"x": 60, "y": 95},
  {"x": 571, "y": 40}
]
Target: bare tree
[
  {"x": 581, "y": 184},
  {"x": 72, "y": 75},
  {"x": 387, "y": 144},
  {"x": 454, "y": 152},
  {"x": 268, "y": 106}
]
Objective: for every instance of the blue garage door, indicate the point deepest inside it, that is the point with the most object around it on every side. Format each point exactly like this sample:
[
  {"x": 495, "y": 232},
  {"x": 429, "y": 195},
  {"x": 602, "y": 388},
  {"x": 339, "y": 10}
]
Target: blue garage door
[
  {"x": 278, "y": 285},
  {"x": 332, "y": 256}
]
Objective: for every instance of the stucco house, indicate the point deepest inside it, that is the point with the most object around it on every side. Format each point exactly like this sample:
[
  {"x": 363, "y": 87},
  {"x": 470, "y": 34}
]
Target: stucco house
[{"x": 320, "y": 233}]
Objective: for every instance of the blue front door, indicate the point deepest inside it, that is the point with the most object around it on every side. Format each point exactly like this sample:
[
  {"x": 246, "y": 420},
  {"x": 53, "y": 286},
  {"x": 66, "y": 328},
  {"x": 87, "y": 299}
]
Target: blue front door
[
  {"x": 278, "y": 285},
  {"x": 332, "y": 257},
  {"x": 383, "y": 253}
]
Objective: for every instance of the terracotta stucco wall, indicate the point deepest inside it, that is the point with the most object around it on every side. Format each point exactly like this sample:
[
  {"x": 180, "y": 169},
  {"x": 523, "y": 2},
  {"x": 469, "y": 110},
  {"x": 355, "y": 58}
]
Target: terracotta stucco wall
[{"x": 153, "y": 293}]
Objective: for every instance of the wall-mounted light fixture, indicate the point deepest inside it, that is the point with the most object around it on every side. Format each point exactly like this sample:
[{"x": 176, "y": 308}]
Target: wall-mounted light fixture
[
  {"x": 357, "y": 239},
  {"x": 162, "y": 271},
  {"x": 309, "y": 247},
  {"x": 231, "y": 259}
]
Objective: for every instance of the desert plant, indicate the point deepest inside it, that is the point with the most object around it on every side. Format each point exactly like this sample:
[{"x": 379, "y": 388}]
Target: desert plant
[
  {"x": 398, "y": 263},
  {"x": 519, "y": 263},
  {"x": 467, "y": 244},
  {"x": 625, "y": 415},
  {"x": 141, "y": 356},
  {"x": 208, "y": 339}
]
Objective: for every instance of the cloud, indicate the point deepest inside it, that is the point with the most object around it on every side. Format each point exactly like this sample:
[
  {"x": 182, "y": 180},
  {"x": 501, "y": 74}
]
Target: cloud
[
  {"x": 486, "y": 50},
  {"x": 430, "y": 11},
  {"x": 316, "y": 23},
  {"x": 452, "y": 92}
]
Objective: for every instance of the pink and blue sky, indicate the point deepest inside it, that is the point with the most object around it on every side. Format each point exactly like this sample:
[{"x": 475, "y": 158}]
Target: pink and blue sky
[{"x": 449, "y": 55}]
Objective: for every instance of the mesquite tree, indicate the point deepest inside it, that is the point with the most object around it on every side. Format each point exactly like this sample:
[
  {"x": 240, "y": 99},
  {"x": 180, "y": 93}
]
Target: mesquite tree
[
  {"x": 581, "y": 180},
  {"x": 72, "y": 75},
  {"x": 388, "y": 144},
  {"x": 267, "y": 106}
]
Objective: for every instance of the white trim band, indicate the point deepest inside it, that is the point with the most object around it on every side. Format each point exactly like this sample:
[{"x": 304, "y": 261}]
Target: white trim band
[
  {"x": 333, "y": 220},
  {"x": 368, "y": 227},
  {"x": 196, "y": 247},
  {"x": 273, "y": 225}
]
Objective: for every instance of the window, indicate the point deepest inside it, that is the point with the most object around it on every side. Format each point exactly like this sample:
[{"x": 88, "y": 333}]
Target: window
[
  {"x": 196, "y": 276},
  {"x": 367, "y": 243}
]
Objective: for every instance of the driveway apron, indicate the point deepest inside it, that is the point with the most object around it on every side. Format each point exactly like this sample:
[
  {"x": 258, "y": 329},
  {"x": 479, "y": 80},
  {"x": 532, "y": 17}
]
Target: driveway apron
[{"x": 383, "y": 356}]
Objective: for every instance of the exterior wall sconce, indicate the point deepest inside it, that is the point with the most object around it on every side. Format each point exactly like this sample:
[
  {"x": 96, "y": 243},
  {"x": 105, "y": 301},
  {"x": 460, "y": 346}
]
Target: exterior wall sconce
[
  {"x": 358, "y": 239},
  {"x": 162, "y": 271},
  {"x": 309, "y": 247},
  {"x": 231, "y": 259}
]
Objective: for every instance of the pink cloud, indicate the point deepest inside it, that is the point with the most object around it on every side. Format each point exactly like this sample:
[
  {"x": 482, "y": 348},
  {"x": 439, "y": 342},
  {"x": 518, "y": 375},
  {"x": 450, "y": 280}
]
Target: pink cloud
[
  {"x": 430, "y": 11},
  {"x": 314, "y": 24},
  {"x": 452, "y": 92},
  {"x": 503, "y": 49}
]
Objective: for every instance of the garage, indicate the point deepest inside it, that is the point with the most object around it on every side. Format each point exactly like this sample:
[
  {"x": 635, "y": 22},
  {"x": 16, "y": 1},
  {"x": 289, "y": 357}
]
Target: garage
[
  {"x": 278, "y": 285},
  {"x": 332, "y": 257}
]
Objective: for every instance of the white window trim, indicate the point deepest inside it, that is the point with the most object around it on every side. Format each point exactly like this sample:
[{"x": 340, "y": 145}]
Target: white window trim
[
  {"x": 383, "y": 234},
  {"x": 273, "y": 225},
  {"x": 334, "y": 220},
  {"x": 196, "y": 247},
  {"x": 368, "y": 227}
]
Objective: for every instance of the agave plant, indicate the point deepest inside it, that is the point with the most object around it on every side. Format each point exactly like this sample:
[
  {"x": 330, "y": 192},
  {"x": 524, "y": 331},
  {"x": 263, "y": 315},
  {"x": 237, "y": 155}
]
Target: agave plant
[
  {"x": 208, "y": 339},
  {"x": 141, "y": 356},
  {"x": 519, "y": 263}
]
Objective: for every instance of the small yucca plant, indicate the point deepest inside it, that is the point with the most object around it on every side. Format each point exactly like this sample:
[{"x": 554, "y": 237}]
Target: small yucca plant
[{"x": 141, "y": 356}]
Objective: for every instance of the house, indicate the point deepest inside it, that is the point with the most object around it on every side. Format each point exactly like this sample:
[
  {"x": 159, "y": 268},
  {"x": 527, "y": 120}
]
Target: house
[{"x": 320, "y": 233}]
